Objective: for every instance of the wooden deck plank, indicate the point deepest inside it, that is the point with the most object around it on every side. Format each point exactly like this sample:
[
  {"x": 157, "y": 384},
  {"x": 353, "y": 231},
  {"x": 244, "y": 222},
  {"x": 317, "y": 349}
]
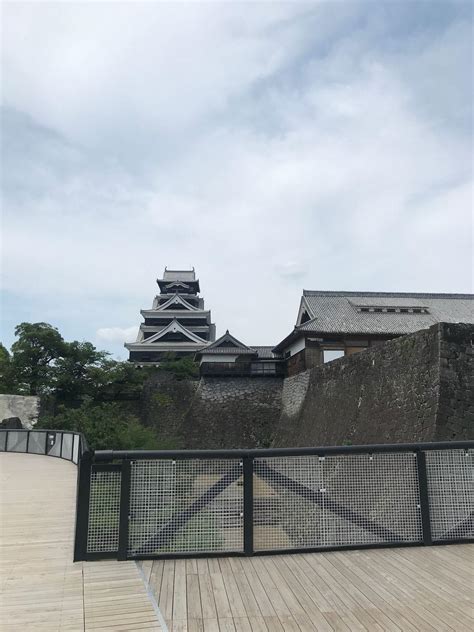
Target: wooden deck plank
[
  {"x": 179, "y": 591},
  {"x": 220, "y": 596},
  {"x": 41, "y": 588},
  {"x": 369, "y": 590},
  {"x": 208, "y": 604},
  {"x": 303, "y": 592},
  {"x": 376, "y": 574},
  {"x": 258, "y": 590},
  {"x": 372, "y": 589},
  {"x": 423, "y": 589},
  {"x": 233, "y": 594},
  {"x": 193, "y": 596}
]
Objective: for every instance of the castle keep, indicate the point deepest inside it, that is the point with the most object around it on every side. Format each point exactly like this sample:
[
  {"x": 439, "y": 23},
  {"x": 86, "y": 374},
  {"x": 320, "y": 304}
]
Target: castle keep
[
  {"x": 177, "y": 322},
  {"x": 329, "y": 325}
]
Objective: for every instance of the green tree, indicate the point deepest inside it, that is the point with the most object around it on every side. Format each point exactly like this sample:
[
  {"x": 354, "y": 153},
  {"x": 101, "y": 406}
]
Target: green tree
[
  {"x": 8, "y": 381},
  {"x": 38, "y": 346},
  {"x": 42, "y": 363},
  {"x": 74, "y": 372},
  {"x": 106, "y": 426},
  {"x": 182, "y": 368},
  {"x": 114, "y": 380}
]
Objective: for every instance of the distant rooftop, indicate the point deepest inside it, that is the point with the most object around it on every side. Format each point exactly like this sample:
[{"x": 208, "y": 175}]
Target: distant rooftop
[
  {"x": 264, "y": 352},
  {"x": 228, "y": 344},
  {"x": 383, "y": 312},
  {"x": 179, "y": 275},
  {"x": 387, "y": 294}
]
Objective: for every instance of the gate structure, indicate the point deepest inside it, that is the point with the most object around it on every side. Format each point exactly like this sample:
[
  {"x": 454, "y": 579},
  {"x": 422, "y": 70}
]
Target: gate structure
[{"x": 158, "y": 504}]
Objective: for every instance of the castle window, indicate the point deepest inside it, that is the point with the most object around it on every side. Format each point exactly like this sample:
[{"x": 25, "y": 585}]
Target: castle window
[
  {"x": 377, "y": 309},
  {"x": 263, "y": 368},
  {"x": 305, "y": 317},
  {"x": 332, "y": 354}
]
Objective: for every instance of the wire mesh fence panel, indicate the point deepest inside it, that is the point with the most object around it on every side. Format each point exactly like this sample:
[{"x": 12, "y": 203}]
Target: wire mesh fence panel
[
  {"x": 104, "y": 511},
  {"x": 75, "y": 448},
  {"x": 37, "y": 442},
  {"x": 451, "y": 493},
  {"x": 287, "y": 503},
  {"x": 3, "y": 441},
  {"x": 185, "y": 506},
  {"x": 346, "y": 500},
  {"x": 54, "y": 443},
  {"x": 66, "y": 450},
  {"x": 371, "y": 499},
  {"x": 17, "y": 441}
]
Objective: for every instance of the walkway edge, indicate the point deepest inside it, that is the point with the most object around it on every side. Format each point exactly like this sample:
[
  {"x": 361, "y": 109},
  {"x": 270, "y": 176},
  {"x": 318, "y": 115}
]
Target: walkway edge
[{"x": 151, "y": 597}]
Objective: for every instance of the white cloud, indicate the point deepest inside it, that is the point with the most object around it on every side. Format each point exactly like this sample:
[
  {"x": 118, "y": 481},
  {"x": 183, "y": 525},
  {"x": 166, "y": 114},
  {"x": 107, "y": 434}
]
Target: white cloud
[
  {"x": 117, "y": 334},
  {"x": 269, "y": 145}
]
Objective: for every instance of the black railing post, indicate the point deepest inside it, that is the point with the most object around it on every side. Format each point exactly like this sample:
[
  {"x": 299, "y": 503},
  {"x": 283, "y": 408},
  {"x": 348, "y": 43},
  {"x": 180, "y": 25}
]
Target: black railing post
[
  {"x": 27, "y": 441},
  {"x": 247, "y": 462},
  {"x": 124, "y": 510},
  {"x": 424, "y": 497},
  {"x": 84, "y": 467}
]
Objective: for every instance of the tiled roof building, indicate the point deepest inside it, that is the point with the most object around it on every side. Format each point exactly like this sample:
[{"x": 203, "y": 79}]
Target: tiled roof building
[
  {"x": 229, "y": 356},
  {"x": 331, "y": 324},
  {"x": 177, "y": 322}
]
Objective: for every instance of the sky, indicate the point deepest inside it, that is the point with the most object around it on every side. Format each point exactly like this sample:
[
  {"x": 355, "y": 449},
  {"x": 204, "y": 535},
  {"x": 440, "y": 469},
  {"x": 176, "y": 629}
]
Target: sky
[{"x": 272, "y": 146}]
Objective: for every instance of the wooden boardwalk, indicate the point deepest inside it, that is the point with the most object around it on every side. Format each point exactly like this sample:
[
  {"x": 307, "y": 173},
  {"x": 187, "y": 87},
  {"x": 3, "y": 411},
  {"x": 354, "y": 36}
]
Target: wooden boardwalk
[
  {"x": 41, "y": 588},
  {"x": 403, "y": 589}
]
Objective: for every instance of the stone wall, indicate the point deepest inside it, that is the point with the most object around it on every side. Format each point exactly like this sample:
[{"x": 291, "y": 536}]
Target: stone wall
[
  {"x": 234, "y": 412},
  {"x": 415, "y": 388},
  {"x": 455, "y": 419},
  {"x": 26, "y": 407},
  {"x": 212, "y": 412},
  {"x": 293, "y": 395},
  {"x": 164, "y": 405}
]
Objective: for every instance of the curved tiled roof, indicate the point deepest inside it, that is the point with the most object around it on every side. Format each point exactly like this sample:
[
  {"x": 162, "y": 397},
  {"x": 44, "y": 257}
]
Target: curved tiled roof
[
  {"x": 229, "y": 350},
  {"x": 340, "y": 312},
  {"x": 229, "y": 344},
  {"x": 179, "y": 275},
  {"x": 264, "y": 352}
]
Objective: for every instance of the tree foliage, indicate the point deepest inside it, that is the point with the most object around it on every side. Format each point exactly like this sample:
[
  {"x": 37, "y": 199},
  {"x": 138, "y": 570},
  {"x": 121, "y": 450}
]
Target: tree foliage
[
  {"x": 38, "y": 346},
  {"x": 106, "y": 426},
  {"x": 43, "y": 363},
  {"x": 182, "y": 368},
  {"x": 8, "y": 379},
  {"x": 73, "y": 371},
  {"x": 82, "y": 387}
]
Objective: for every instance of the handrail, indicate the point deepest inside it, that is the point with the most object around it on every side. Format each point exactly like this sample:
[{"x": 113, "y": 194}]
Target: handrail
[
  {"x": 110, "y": 455},
  {"x": 144, "y": 504},
  {"x": 26, "y": 440}
]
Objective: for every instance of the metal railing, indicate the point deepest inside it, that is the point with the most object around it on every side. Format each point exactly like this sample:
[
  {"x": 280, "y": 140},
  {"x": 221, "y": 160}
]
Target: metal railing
[
  {"x": 62, "y": 444},
  {"x": 157, "y": 504}
]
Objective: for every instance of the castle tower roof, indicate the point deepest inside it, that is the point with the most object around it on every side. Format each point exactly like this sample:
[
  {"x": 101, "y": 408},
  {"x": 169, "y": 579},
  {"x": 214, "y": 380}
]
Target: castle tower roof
[
  {"x": 176, "y": 323},
  {"x": 179, "y": 281}
]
